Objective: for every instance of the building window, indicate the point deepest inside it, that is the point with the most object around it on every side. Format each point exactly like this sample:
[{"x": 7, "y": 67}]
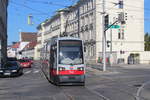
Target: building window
[
  {"x": 89, "y": 49},
  {"x": 119, "y": 34},
  {"x": 83, "y": 21},
  {"x": 83, "y": 9},
  {"x": 122, "y": 35},
  {"x": 92, "y": 4}
]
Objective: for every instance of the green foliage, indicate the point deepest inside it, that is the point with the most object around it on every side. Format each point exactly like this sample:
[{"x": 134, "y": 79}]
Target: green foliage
[{"x": 147, "y": 42}]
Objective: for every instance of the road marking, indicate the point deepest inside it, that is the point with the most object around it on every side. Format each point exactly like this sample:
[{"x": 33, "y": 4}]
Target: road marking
[
  {"x": 98, "y": 94},
  {"x": 140, "y": 89},
  {"x": 36, "y": 71},
  {"x": 28, "y": 72}
]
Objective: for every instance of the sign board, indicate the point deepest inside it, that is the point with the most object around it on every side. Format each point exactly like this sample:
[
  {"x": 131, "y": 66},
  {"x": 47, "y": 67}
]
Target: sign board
[{"x": 115, "y": 26}]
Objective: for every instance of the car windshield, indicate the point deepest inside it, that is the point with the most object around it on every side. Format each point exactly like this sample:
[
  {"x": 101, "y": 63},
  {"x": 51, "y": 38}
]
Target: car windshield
[
  {"x": 10, "y": 64},
  {"x": 70, "y": 54}
]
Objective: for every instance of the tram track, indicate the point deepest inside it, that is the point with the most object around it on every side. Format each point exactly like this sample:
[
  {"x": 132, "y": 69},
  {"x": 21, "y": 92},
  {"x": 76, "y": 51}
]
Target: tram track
[
  {"x": 98, "y": 94},
  {"x": 70, "y": 97},
  {"x": 140, "y": 89}
]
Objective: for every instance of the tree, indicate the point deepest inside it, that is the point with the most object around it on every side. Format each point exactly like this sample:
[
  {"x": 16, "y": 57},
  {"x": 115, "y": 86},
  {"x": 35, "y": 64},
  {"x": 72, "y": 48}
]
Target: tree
[{"x": 147, "y": 41}]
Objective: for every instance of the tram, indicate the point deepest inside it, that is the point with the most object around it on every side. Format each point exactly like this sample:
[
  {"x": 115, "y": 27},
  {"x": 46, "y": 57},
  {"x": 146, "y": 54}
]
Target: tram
[{"x": 63, "y": 61}]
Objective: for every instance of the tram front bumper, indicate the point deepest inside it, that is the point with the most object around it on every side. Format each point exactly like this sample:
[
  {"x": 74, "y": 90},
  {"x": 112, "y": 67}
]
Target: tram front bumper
[{"x": 71, "y": 78}]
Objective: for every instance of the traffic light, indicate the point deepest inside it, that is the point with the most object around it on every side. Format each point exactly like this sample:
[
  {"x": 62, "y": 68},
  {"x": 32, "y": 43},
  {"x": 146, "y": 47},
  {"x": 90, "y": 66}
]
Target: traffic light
[
  {"x": 106, "y": 21},
  {"x": 30, "y": 18},
  {"x": 125, "y": 15},
  {"x": 122, "y": 17},
  {"x": 108, "y": 43}
]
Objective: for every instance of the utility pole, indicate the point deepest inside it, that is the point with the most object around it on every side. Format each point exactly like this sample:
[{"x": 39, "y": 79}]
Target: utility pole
[
  {"x": 104, "y": 36},
  {"x": 78, "y": 14},
  {"x": 110, "y": 40}
]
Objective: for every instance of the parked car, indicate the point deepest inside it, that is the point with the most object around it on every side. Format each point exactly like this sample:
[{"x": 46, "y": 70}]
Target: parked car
[
  {"x": 25, "y": 63},
  {"x": 31, "y": 60},
  {"x": 11, "y": 59},
  {"x": 11, "y": 68}
]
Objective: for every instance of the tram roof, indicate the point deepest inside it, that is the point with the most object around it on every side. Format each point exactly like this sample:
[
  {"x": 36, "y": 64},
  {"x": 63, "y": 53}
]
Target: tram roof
[
  {"x": 67, "y": 38},
  {"x": 54, "y": 40}
]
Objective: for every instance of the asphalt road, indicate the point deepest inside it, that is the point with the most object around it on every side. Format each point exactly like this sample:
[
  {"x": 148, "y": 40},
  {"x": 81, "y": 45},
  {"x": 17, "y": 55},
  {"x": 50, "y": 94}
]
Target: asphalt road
[{"x": 118, "y": 83}]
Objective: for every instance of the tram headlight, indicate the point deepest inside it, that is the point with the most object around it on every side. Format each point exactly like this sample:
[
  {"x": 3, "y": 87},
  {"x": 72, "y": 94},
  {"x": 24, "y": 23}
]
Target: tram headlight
[
  {"x": 61, "y": 68},
  {"x": 81, "y": 68}
]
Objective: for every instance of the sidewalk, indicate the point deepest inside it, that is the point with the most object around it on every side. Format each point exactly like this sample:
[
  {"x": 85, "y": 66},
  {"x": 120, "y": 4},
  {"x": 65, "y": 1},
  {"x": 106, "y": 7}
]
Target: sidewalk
[
  {"x": 111, "y": 67},
  {"x": 116, "y": 68},
  {"x": 100, "y": 66},
  {"x": 97, "y": 69}
]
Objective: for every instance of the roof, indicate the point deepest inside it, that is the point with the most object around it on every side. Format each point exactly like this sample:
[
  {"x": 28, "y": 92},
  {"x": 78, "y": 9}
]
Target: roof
[
  {"x": 28, "y": 36},
  {"x": 16, "y": 45},
  {"x": 68, "y": 38},
  {"x": 30, "y": 45}
]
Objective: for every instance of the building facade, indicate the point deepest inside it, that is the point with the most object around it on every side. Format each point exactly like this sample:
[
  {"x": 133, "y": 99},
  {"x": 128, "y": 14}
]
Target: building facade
[
  {"x": 124, "y": 39},
  {"x": 25, "y": 39},
  {"x": 46, "y": 30},
  {"x": 12, "y": 50},
  {"x": 3, "y": 31},
  {"x": 28, "y": 51}
]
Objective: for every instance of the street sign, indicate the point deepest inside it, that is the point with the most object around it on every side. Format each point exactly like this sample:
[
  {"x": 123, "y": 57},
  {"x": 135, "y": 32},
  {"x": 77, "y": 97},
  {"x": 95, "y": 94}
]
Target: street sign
[{"x": 115, "y": 26}]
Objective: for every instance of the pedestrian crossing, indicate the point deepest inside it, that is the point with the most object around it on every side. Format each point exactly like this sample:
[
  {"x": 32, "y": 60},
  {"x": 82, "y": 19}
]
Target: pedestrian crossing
[
  {"x": 35, "y": 69},
  {"x": 31, "y": 71}
]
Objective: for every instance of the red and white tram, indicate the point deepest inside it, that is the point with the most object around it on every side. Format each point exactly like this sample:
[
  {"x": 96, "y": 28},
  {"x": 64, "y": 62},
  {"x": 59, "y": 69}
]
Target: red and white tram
[{"x": 63, "y": 61}]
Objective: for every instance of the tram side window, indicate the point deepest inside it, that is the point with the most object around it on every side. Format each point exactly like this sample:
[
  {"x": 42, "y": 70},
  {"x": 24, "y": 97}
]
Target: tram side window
[
  {"x": 47, "y": 55},
  {"x": 53, "y": 57}
]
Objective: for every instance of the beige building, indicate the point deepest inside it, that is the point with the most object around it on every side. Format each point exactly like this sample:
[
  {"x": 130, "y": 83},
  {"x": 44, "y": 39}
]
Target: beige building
[
  {"x": 84, "y": 20},
  {"x": 3, "y": 31},
  {"x": 46, "y": 30}
]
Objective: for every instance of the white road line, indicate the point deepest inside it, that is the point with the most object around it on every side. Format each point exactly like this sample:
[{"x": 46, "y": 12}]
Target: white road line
[
  {"x": 28, "y": 72},
  {"x": 36, "y": 71}
]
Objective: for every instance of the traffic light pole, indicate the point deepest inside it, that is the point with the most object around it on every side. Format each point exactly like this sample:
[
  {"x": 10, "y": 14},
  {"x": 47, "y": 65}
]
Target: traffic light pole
[
  {"x": 104, "y": 37},
  {"x": 110, "y": 40},
  {"x": 105, "y": 27}
]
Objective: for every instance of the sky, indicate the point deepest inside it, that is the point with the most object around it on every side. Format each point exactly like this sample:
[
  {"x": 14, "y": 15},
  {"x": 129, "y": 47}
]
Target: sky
[
  {"x": 147, "y": 16},
  {"x": 18, "y": 11}
]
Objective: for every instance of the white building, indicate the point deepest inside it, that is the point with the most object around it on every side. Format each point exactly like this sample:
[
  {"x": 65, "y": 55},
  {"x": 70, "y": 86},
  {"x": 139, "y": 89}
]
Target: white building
[
  {"x": 84, "y": 20},
  {"x": 12, "y": 50},
  {"x": 46, "y": 30},
  {"x": 25, "y": 39},
  {"x": 28, "y": 50}
]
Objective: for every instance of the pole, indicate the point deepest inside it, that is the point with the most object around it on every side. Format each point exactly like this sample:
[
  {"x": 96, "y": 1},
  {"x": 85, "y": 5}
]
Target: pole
[
  {"x": 110, "y": 57},
  {"x": 78, "y": 21},
  {"x": 110, "y": 40},
  {"x": 104, "y": 37}
]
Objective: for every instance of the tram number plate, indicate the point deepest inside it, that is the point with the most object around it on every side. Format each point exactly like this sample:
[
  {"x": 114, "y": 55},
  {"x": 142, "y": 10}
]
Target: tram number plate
[
  {"x": 71, "y": 72},
  {"x": 71, "y": 77},
  {"x": 6, "y": 73}
]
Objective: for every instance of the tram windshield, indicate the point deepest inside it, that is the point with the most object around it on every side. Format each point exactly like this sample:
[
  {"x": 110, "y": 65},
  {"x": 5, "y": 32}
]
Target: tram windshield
[{"x": 70, "y": 52}]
